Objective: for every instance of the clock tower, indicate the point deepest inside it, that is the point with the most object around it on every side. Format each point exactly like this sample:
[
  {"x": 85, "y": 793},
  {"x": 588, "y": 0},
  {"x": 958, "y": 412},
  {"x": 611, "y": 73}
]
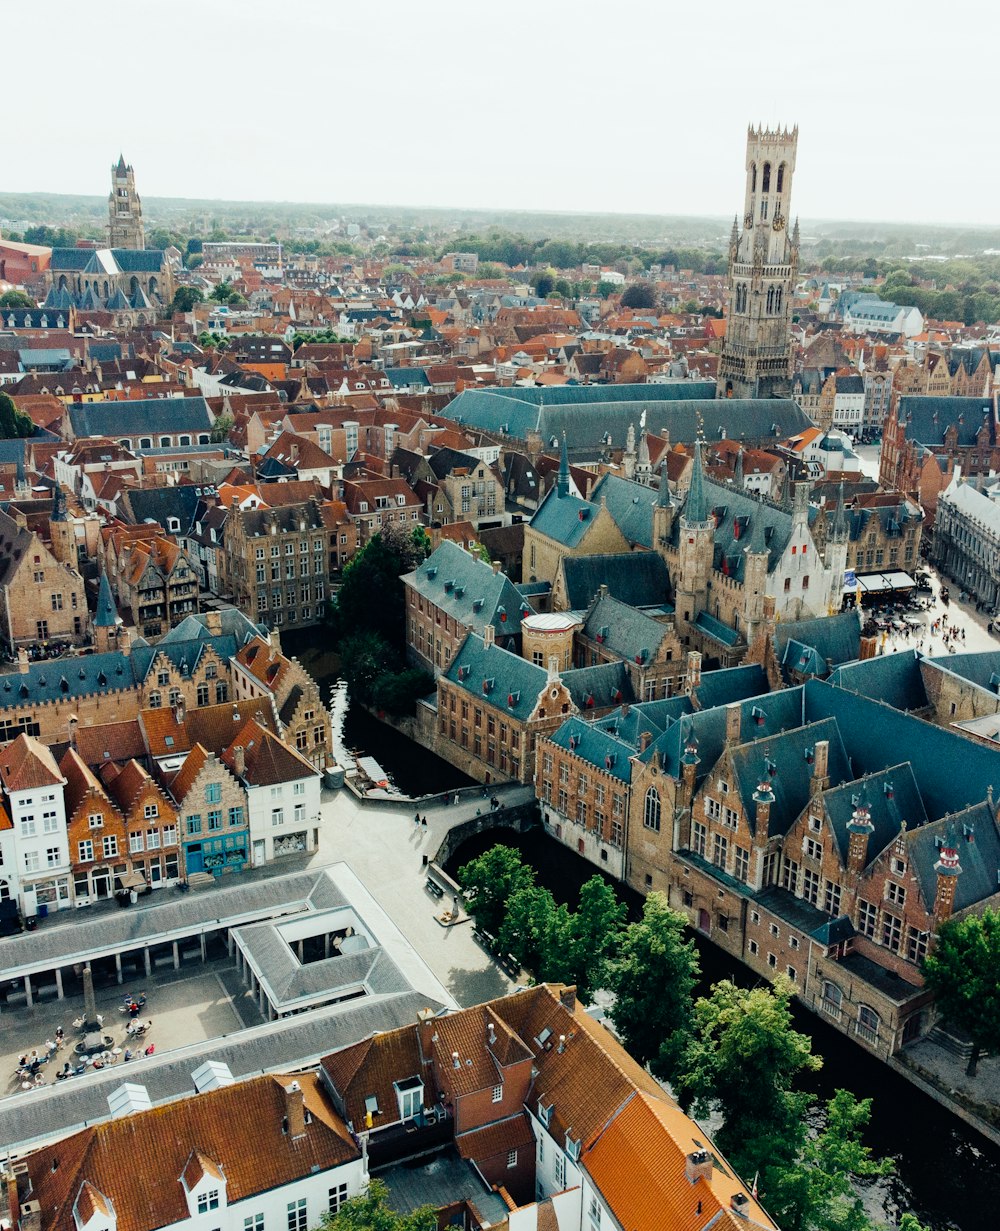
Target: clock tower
[{"x": 763, "y": 262}]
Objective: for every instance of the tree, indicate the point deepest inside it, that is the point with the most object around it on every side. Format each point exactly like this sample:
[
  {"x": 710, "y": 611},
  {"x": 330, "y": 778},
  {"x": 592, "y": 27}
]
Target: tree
[
  {"x": 604, "y": 289},
  {"x": 742, "y": 1061},
  {"x": 185, "y": 298},
  {"x": 371, "y": 1212},
  {"x": 653, "y": 979},
  {"x": 365, "y": 657},
  {"x": 13, "y": 422},
  {"x": 397, "y": 692},
  {"x": 16, "y": 299},
  {"x": 543, "y": 283},
  {"x": 222, "y": 427},
  {"x": 371, "y": 593},
  {"x": 490, "y": 882},
  {"x": 639, "y": 296},
  {"x": 963, "y": 972},
  {"x": 593, "y": 932},
  {"x": 815, "y": 1191},
  {"x": 532, "y": 922}
]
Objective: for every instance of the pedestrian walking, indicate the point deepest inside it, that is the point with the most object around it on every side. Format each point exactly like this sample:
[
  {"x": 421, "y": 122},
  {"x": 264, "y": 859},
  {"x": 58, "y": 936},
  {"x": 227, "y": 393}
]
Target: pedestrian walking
[
  {"x": 416, "y": 818},
  {"x": 423, "y": 822}
]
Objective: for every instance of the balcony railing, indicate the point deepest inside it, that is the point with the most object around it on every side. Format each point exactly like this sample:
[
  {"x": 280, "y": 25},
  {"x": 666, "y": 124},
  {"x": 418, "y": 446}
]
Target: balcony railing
[
  {"x": 831, "y": 1008},
  {"x": 866, "y": 1033}
]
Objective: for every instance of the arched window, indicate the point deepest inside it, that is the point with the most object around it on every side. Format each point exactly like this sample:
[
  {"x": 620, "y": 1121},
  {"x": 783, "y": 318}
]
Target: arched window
[
  {"x": 869, "y": 1023},
  {"x": 753, "y": 177},
  {"x": 832, "y": 999},
  {"x": 154, "y": 701},
  {"x": 777, "y": 299},
  {"x": 4, "y": 891},
  {"x": 781, "y": 178},
  {"x": 651, "y": 812},
  {"x": 766, "y": 184},
  {"x": 770, "y": 299}
]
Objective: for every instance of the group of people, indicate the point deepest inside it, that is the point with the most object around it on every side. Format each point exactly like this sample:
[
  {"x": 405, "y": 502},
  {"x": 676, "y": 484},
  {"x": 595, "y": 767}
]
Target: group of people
[{"x": 30, "y": 1063}]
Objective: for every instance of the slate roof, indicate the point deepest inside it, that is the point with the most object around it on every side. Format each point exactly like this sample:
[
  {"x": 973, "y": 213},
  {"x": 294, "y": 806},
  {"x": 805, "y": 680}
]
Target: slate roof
[
  {"x": 891, "y": 797},
  {"x": 978, "y": 855},
  {"x": 782, "y": 759},
  {"x": 639, "y": 579},
  {"x": 896, "y": 679},
  {"x": 106, "y": 615},
  {"x": 631, "y": 505},
  {"x": 731, "y": 684},
  {"x": 595, "y": 744},
  {"x": 624, "y": 630},
  {"x": 714, "y": 628},
  {"x": 928, "y": 417},
  {"x": 466, "y": 588},
  {"x": 140, "y": 416},
  {"x": 563, "y": 518},
  {"x": 982, "y": 668},
  {"x": 516, "y": 683},
  {"x": 836, "y": 637},
  {"x": 599, "y": 687}
]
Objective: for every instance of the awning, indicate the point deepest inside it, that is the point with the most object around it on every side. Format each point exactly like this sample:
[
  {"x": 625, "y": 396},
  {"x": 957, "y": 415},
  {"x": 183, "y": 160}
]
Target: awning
[{"x": 131, "y": 880}]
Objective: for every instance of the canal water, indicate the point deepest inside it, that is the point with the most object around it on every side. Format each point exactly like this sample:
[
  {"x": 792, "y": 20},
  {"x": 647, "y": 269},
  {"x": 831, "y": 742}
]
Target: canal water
[
  {"x": 410, "y": 769},
  {"x": 946, "y": 1173}
]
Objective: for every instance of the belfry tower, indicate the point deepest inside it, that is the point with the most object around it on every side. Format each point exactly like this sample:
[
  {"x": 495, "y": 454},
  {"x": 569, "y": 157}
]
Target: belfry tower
[
  {"x": 756, "y": 357},
  {"x": 125, "y": 228}
]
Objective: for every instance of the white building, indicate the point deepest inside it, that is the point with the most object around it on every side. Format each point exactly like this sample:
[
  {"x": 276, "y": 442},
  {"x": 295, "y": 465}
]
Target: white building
[
  {"x": 283, "y": 794},
  {"x": 875, "y": 316},
  {"x": 35, "y": 867}
]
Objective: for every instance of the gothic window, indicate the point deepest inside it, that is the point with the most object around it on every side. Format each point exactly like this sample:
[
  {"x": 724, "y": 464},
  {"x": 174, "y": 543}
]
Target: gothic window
[
  {"x": 651, "y": 816},
  {"x": 781, "y": 178},
  {"x": 770, "y": 299},
  {"x": 777, "y": 299},
  {"x": 753, "y": 177},
  {"x": 763, "y": 210},
  {"x": 766, "y": 185}
]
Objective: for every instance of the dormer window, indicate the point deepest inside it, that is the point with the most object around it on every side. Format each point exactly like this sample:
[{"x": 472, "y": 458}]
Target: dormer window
[
  {"x": 544, "y": 1113},
  {"x": 208, "y": 1201},
  {"x": 410, "y": 1097},
  {"x": 498, "y": 1094}
]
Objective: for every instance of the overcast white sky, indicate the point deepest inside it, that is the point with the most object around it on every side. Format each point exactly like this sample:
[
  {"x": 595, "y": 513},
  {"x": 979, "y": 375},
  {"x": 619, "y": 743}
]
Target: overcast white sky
[{"x": 639, "y": 106}]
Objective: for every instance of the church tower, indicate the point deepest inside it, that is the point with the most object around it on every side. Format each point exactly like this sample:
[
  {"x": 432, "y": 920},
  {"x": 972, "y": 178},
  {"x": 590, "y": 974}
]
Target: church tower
[
  {"x": 763, "y": 263},
  {"x": 125, "y": 228}
]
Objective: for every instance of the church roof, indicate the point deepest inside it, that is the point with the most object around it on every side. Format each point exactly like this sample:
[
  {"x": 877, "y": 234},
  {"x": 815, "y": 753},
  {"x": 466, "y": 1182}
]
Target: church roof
[{"x": 106, "y": 615}]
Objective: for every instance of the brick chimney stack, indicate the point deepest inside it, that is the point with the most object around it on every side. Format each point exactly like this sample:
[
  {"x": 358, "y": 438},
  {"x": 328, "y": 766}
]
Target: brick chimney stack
[
  {"x": 239, "y": 761},
  {"x": 295, "y": 1110},
  {"x": 821, "y": 767},
  {"x": 733, "y": 718},
  {"x": 859, "y": 830},
  {"x": 948, "y": 870}
]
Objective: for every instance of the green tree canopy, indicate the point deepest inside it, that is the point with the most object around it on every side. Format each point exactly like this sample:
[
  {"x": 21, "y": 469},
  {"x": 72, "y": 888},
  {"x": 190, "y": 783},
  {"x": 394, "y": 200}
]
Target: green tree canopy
[
  {"x": 185, "y": 298},
  {"x": 963, "y": 972},
  {"x": 371, "y": 593},
  {"x": 372, "y": 1212},
  {"x": 544, "y": 283},
  {"x": 16, "y": 299},
  {"x": 742, "y": 1062},
  {"x": 490, "y": 882},
  {"x": 639, "y": 296},
  {"x": 13, "y": 422},
  {"x": 653, "y": 979}
]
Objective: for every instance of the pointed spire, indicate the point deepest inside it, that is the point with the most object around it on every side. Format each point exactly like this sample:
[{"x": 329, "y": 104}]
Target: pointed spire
[
  {"x": 696, "y": 508},
  {"x": 58, "y": 512},
  {"x": 839, "y": 532},
  {"x": 106, "y": 615},
  {"x": 663, "y": 494},
  {"x": 121, "y": 168},
  {"x": 734, "y": 237},
  {"x": 758, "y": 539},
  {"x": 562, "y": 483}
]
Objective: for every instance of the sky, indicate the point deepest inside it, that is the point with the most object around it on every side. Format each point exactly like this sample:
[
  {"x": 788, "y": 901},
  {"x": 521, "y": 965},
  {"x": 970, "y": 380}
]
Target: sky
[{"x": 636, "y": 107}]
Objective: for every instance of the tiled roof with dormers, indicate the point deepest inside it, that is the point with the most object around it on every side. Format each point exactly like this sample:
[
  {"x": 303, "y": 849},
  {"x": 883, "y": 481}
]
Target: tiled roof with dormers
[
  {"x": 631, "y": 505},
  {"x": 267, "y": 761},
  {"x": 137, "y": 1162},
  {"x": 891, "y": 799},
  {"x": 465, "y": 587},
  {"x": 110, "y": 741},
  {"x": 594, "y": 744},
  {"x": 623, "y": 630},
  {"x": 169, "y": 732}
]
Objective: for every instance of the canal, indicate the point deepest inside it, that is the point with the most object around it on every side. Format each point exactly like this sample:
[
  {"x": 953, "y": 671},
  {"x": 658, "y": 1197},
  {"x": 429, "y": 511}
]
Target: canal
[{"x": 946, "y": 1173}]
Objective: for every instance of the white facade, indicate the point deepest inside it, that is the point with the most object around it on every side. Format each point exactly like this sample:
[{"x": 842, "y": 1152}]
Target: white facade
[
  {"x": 284, "y": 819},
  {"x": 36, "y": 861},
  {"x": 849, "y": 410}
]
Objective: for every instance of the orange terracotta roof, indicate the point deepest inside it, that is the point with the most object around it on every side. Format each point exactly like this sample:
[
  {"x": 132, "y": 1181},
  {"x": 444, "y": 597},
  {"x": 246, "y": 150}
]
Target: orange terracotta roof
[
  {"x": 136, "y": 1162},
  {"x": 110, "y": 741},
  {"x": 514, "y": 1133},
  {"x": 267, "y": 761},
  {"x": 26, "y": 763},
  {"x": 638, "y": 1163},
  {"x": 212, "y": 726},
  {"x": 184, "y": 779}
]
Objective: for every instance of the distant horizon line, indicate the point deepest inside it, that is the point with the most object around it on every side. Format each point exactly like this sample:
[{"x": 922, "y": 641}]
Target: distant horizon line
[{"x": 723, "y": 218}]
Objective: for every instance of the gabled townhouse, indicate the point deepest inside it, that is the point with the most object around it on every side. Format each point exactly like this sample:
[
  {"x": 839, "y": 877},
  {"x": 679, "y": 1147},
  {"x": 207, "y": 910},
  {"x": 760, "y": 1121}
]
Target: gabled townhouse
[
  {"x": 36, "y": 860},
  {"x": 282, "y": 791},
  {"x": 375, "y": 502},
  {"x": 212, "y": 814},
  {"x": 650, "y": 648},
  {"x": 451, "y": 593},
  {"x": 150, "y": 822},
  {"x": 98, "y": 841},
  {"x": 259, "y": 1153},
  {"x": 42, "y": 595},
  {"x": 277, "y": 563},
  {"x": 260, "y": 671},
  {"x": 156, "y": 581}
]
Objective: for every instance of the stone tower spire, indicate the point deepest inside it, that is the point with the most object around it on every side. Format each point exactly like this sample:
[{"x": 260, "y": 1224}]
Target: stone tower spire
[
  {"x": 125, "y": 229},
  {"x": 756, "y": 356},
  {"x": 562, "y": 483}
]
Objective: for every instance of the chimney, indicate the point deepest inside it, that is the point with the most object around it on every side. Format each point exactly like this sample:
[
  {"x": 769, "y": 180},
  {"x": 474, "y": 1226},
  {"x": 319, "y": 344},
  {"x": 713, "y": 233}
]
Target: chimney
[
  {"x": 425, "y": 1032},
  {"x": 239, "y": 761},
  {"x": 491, "y": 1034},
  {"x": 698, "y": 1166},
  {"x": 821, "y": 767},
  {"x": 295, "y": 1110},
  {"x": 456, "y": 1063},
  {"x": 567, "y": 998},
  {"x": 859, "y": 830},
  {"x": 644, "y": 740},
  {"x": 495, "y": 565},
  {"x": 22, "y": 660},
  {"x": 179, "y": 711},
  {"x": 30, "y": 1216},
  {"x": 733, "y": 717},
  {"x": 213, "y": 622},
  {"x": 948, "y": 869},
  {"x": 740, "y": 1205},
  {"x": 489, "y": 635},
  {"x": 693, "y": 670}
]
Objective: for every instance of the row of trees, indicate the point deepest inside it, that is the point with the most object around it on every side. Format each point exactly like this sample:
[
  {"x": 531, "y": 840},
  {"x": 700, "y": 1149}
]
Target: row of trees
[{"x": 732, "y": 1053}]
